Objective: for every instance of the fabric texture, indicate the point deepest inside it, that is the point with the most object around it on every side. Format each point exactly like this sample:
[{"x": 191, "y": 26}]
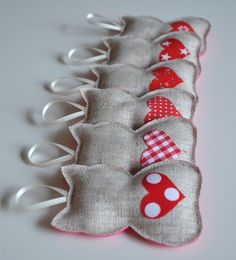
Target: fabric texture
[
  {"x": 144, "y": 53},
  {"x": 160, "y": 147},
  {"x": 151, "y": 27},
  {"x": 134, "y": 161},
  {"x": 115, "y": 105},
  {"x": 160, "y": 107},
  {"x": 163, "y": 195},
  {"x": 139, "y": 82},
  {"x": 104, "y": 200},
  {"x": 118, "y": 145}
]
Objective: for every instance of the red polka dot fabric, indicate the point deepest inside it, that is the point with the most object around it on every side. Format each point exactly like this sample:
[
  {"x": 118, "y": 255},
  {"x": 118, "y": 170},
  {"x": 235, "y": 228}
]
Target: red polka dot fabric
[
  {"x": 160, "y": 107},
  {"x": 141, "y": 176}
]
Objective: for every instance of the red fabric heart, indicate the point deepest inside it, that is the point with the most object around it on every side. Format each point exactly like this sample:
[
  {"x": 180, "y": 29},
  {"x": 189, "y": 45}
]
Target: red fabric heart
[
  {"x": 164, "y": 78},
  {"x": 160, "y": 148},
  {"x": 181, "y": 26},
  {"x": 160, "y": 107},
  {"x": 163, "y": 195},
  {"x": 173, "y": 49}
]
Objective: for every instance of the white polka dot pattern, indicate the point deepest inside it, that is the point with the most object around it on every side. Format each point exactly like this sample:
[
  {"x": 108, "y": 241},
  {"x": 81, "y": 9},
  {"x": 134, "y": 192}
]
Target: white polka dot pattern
[
  {"x": 171, "y": 194},
  {"x": 152, "y": 210},
  {"x": 160, "y": 107},
  {"x": 153, "y": 178}
]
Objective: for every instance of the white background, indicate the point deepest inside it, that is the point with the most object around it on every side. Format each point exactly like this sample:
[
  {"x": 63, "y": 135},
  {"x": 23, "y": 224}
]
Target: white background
[{"x": 33, "y": 34}]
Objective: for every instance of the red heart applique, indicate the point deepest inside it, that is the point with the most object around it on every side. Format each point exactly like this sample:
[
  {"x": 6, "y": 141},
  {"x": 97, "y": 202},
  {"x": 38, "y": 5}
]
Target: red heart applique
[
  {"x": 160, "y": 107},
  {"x": 163, "y": 195},
  {"x": 173, "y": 49},
  {"x": 164, "y": 78},
  {"x": 181, "y": 26},
  {"x": 160, "y": 148}
]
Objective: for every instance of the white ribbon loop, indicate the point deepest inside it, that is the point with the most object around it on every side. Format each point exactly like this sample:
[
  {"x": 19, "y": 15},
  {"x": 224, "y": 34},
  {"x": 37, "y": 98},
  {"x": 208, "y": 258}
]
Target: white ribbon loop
[
  {"x": 70, "y": 85},
  {"x": 63, "y": 119},
  {"x": 47, "y": 150},
  {"x": 40, "y": 205},
  {"x": 74, "y": 56},
  {"x": 103, "y": 22}
]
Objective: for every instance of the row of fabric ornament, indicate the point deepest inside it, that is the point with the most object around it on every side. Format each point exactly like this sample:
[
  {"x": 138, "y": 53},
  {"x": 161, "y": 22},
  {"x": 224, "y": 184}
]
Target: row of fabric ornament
[{"x": 134, "y": 165}]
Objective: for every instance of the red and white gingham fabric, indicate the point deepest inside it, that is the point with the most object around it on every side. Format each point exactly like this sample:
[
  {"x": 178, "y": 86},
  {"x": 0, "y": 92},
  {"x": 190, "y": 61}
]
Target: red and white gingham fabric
[{"x": 160, "y": 148}]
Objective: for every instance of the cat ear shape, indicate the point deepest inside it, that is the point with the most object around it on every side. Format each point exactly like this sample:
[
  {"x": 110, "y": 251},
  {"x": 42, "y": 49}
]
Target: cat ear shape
[
  {"x": 175, "y": 46},
  {"x": 151, "y": 27},
  {"x": 163, "y": 139},
  {"x": 138, "y": 26},
  {"x": 114, "y": 105},
  {"x": 174, "y": 74},
  {"x": 130, "y": 50},
  {"x": 144, "y": 53},
  {"x": 142, "y": 26},
  {"x": 160, "y": 202},
  {"x": 171, "y": 188},
  {"x": 195, "y": 25},
  {"x": 97, "y": 200},
  {"x": 178, "y": 74},
  {"x": 130, "y": 78}
]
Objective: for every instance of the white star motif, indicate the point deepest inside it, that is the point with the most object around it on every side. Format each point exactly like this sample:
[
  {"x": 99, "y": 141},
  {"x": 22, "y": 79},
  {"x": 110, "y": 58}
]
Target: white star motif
[
  {"x": 184, "y": 51},
  {"x": 167, "y": 43},
  {"x": 183, "y": 28},
  {"x": 165, "y": 56}
]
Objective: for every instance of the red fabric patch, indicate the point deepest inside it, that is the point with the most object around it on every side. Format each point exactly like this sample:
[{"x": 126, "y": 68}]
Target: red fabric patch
[
  {"x": 164, "y": 78},
  {"x": 160, "y": 107},
  {"x": 173, "y": 49},
  {"x": 160, "y": 148},
  {"x": 162, "y": 195},
  {"x": 181, "y": 26}
]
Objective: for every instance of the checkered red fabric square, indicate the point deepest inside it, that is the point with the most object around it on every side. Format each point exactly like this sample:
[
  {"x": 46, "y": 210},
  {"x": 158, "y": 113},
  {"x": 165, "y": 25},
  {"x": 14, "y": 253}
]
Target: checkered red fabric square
[{"x": 160, "y": 148}]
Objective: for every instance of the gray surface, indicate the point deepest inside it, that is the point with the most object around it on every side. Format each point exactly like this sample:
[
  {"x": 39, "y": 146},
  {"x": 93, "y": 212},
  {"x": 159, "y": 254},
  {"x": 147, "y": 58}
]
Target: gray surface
[{"x": 33, "y": 33}]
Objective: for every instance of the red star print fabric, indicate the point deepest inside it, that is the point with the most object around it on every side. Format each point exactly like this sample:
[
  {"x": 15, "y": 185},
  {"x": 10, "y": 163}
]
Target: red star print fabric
[
  {"x": 164, "y": 78},
  {"x": 173, "y": 49},
  {"x": 181, "y": 26}
]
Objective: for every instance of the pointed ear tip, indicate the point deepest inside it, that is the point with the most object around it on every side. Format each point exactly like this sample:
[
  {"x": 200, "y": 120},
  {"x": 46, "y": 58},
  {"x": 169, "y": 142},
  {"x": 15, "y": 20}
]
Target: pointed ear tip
[
  {"x": 67, "y": 170},
  {"x": 95, "y": 69},
  {"x": 194, "y": 168},
  {"x": 60, "y": 220},
  {"x": 53, "y": 223},
  {"x": 83, "y": 91},
  {"x": 56, "y": 224}
]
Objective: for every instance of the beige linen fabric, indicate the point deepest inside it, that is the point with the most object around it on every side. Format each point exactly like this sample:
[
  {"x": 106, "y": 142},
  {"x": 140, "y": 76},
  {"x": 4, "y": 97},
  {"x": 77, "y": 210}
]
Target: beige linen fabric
[
  {"x": 145, "y": 53},
  {"x": 137, "y": 80},
  {"x": 118, "y": 145},
  {"x": 116, "y": 105},
  {"x": 103, "y": 200},
  {"x": 151, "y": 27}
]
